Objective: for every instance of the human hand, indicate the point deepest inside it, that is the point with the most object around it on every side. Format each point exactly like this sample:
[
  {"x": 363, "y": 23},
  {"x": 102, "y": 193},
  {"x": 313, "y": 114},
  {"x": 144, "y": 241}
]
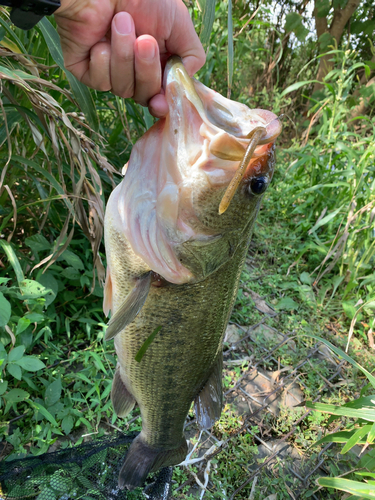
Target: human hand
[{"x": 123, "y": 45}]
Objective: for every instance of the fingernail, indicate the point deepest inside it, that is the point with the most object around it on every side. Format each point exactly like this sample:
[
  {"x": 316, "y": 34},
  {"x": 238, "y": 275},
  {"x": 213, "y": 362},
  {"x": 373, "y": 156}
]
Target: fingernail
[
  {"x": 124, "y": 23},
  {"x": 146, "y": 50}
]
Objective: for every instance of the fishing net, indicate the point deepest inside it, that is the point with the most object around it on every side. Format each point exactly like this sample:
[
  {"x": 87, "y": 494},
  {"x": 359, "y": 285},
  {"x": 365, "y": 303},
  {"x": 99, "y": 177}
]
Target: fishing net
[{"x": 88, "y": 472}]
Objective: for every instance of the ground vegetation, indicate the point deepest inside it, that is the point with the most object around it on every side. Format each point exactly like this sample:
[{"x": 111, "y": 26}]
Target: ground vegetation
[{"x": 62, "y": 151}]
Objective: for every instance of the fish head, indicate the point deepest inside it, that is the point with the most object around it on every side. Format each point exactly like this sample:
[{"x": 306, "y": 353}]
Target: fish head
[{"x": 195, "y": 180}]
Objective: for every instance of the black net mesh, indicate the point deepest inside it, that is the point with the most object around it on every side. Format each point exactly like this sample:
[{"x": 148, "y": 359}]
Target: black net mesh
[{"x": 88, "y": 472}]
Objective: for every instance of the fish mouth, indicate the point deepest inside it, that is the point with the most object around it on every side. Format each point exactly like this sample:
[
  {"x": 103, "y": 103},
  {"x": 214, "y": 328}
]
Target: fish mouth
[
  {"x": 247, "y": 138},
  {"x": 182, "y": 167}
]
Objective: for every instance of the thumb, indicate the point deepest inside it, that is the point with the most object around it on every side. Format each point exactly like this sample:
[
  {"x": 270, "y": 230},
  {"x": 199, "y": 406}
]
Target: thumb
[{"x": 184, "y": 42}]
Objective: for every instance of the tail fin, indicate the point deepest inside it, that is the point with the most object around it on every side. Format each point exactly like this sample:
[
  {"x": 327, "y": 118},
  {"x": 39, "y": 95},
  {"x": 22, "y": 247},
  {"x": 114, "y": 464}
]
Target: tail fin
[{"x": 141, "y": 459}]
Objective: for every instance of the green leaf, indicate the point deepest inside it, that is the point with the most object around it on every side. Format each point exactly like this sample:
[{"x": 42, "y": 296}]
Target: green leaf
[
  {"x": 149, "y": 119},
  {"x": 47, "y": 493},
  {"x": 67, "y": 424},
  {"x": 5, "y": 310},
  {"x": 146, "y": 344},
  {"x": 72, "y": 259},
  {"x": 207, "y": 22},
  {"x": 16, "y": 395},
  {"x": 336, "y": 437},
  {"x": 16, "y": 353},
  {"x": 293, "y": 22},
  {"x": 325, "y": 219},
  {"x": 371, "y": 434},
  {"x": 14, "y": 262},
  {"x": 367, "y": 461},
  {"x": 306, "y": 278},
  {"x": 60, "y": 483},
  {"x": 33, "y": 289},
  {"x": 22, "y": 324},
  {"x": 31, "y": 363},
  {"x": 301, "y": 32},
  {"x": 349, "y": 309},
  {"x": 71, "y": 274},
  {"x": 15, "y": 371},
  {"x": 53, "y": 392},
  {"x": 38, "y": 243},
  {"x": 80, "y": 91},
  {"x": 98, "y": 361},
  {"x": 106, "y": 391},
  {"x": 34, "y": 317},
  {"x": 296, "y": 86},
  {"x": 363, "y": 413},
  {"x": 356, "y": 438},
  {"x": 287, "y": 304},
  {"x": 354, "y": 487},
  {"x": 44, "y": 412},
  {"x": 230, "y": 48},
  {"x": 322, "y": 7},
  {"x": 48, "y": 281},
  {"x": 3, "y": 386},
  {"x": 325, "y": 41},
  {"x": 364, "y": 401}
]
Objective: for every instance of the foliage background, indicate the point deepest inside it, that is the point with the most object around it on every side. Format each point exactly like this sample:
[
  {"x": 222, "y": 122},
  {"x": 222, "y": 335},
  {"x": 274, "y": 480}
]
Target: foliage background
[{"x": 62, "y": 150}]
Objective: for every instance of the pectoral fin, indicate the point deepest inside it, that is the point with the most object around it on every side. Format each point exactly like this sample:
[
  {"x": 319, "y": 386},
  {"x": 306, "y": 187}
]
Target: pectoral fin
[
  {"x": 209, "y": 401},
  {"x": 131, "y": 306},
  {"x": 107, "y": 301}
]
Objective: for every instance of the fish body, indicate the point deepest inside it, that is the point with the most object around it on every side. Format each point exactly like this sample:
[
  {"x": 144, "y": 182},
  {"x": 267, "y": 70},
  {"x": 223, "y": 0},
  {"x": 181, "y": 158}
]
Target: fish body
[{"x": 174, "y": 262}]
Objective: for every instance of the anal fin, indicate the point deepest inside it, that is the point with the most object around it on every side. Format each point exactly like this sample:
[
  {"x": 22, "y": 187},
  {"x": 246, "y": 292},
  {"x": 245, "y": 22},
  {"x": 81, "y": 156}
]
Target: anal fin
[
  {"x": 122, "y": 401},
  {"x": 209, "y": 401},
  {"x": 131, "y": 306}
]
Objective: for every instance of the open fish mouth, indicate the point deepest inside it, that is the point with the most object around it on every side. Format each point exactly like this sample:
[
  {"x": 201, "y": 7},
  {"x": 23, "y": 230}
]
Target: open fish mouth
[{"x": 203, "y": 149}]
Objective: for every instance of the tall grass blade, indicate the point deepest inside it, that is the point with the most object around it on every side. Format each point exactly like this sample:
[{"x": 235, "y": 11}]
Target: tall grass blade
[
  {"x": 207, "y": 22},
  {"x": 230, "y": 49},
  {"x": 12, "y": 257},
  {"x": 80, "y": 91},
  {"x": 52, "y": 181},
  {"x": 146, "y": 344},
  {"x": 7, "y": 28},
  {"x": 347, "y": 358},
  {"x": 356, "y": 438},
  {"x": 355, "y": 487},
  {"x": 363, "y": 413}
]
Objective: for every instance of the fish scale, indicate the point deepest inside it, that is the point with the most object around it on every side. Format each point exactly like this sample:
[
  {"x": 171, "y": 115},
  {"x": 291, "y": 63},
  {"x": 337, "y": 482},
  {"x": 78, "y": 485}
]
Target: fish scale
[
  {"x": 188, "y": 343},
  {"x": 174, "y": 261}
]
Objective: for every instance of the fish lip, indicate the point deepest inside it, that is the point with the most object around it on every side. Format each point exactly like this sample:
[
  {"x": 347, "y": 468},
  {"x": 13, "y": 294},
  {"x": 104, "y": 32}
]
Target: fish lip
[{"x": 172, "y": 64}]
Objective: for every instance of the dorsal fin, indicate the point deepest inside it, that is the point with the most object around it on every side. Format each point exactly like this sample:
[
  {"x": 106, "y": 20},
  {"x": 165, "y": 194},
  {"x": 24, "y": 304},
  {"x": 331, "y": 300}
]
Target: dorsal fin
[{"x": 131, "y": 306}]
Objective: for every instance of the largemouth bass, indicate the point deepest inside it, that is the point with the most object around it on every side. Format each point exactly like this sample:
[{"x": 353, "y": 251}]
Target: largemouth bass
[{"x": 177, "y": 230}]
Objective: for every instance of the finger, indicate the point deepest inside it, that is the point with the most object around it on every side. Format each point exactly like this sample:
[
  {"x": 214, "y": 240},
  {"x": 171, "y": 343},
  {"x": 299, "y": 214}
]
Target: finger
[
  {"x": 122, "y": 56},
  {"x": 158, "y": 106},
  {"x": 95, "y": 71},
  {"x": 184, "y": 41},
  {"x": 147, "y": 69}
]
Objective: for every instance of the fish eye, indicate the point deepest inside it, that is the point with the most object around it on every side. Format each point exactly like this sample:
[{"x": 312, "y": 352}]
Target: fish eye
[{"x": 258, "y": 185}]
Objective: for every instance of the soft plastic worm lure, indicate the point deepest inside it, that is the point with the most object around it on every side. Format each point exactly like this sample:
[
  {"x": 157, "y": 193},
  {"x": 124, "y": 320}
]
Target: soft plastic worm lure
[{"x": 255, "y": 136}]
